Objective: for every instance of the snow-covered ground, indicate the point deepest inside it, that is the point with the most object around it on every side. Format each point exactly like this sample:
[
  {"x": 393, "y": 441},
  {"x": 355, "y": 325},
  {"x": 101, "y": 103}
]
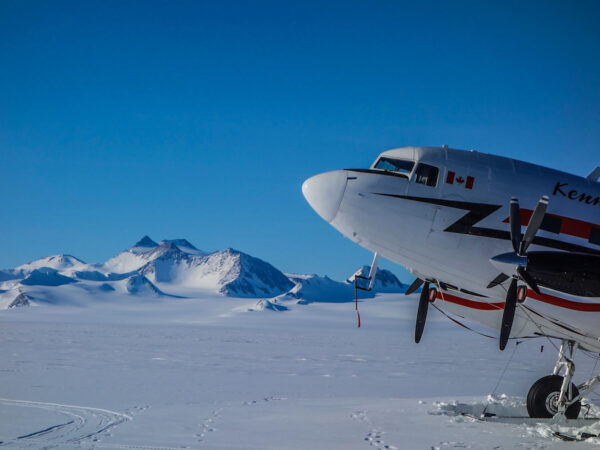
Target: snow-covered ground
[{"x": 166, "y": 372}]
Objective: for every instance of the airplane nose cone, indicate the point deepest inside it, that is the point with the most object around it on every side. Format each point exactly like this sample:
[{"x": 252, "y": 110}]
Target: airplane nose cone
[{"x": 324, "y": 193}]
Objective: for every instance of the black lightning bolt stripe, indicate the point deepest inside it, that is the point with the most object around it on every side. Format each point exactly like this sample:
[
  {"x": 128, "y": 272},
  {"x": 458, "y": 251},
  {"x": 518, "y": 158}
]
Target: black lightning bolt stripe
[{"x": 479, "y": 211}]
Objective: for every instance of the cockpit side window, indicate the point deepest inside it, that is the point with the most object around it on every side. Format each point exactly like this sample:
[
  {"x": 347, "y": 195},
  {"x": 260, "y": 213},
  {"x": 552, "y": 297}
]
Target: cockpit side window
[
  {"x": 398, "y": 166},
  {"x": 426, "y": 175}
]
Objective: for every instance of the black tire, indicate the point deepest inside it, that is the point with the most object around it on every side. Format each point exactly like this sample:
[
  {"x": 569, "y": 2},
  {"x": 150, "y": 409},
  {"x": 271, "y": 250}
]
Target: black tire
[{"x": 541, "y": 400}]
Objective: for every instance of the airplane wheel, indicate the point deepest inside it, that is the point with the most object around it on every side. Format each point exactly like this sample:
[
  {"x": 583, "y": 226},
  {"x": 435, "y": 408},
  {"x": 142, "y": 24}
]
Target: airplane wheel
[{"x": 543, "y": 397}]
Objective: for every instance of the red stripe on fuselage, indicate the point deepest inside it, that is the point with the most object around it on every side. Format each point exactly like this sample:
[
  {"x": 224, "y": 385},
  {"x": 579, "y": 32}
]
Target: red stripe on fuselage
[
  {"x": 564, "y": 303},
  {"x": 572, "y": 227},
  {"x": 545, "y": 298},
  {"x": 469, "y": 303}
]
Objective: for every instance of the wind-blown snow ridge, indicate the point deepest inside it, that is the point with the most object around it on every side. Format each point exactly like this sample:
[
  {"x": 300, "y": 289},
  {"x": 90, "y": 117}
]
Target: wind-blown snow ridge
[{"x": 173, "y": 268}]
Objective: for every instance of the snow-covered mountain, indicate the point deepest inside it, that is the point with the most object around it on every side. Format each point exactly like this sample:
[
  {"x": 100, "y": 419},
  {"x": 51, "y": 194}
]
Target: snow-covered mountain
[
  {"x": 315, "y": 288},
  {"x": 56, "y": 262},
  {"x": 45, "y": 276},
  {"x": 242, "y": 275},
  {"x": 146, "y": 250},
  {"x": 228, "y": 272},
  {"x": 138, "y": 284},
  {"x": 185, "y": 246},
  {"x": 13, "y": 299},
  {"x": 9, "y": 274},
  {"x": 173, "y": 268}
]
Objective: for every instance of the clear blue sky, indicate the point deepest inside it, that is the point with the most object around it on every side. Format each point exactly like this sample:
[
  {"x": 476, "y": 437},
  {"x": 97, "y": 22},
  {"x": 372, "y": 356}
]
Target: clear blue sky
[{"x": 202, "y": 119}]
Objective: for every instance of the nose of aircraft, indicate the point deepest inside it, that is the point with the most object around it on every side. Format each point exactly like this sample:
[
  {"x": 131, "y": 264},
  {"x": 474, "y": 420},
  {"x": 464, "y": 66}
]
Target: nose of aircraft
[{"x": 324, "y": 193}]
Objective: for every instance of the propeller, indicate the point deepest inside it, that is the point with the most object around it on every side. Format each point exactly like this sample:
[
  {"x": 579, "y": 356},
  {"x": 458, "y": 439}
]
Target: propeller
[
  {"x": 422, "y": 312},
  {"x": 514, "y": 264},
  {"x": 509, "y": 313},
  {"x": 501, "y": 278},
  {"x": 414, "y": 286}
]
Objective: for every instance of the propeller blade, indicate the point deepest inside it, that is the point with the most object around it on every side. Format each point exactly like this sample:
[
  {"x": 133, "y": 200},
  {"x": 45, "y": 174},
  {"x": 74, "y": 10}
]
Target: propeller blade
[
  {"x": 498, "y": 280},
  {"x": 534, "y": 224},
  {"x": 509, "y": 313},
  {"x": 528, "y": 279},
  {"x": 422, "y": 312},
  {"x": 414, "y": 286},
  {"x": 515, "y": 224}
]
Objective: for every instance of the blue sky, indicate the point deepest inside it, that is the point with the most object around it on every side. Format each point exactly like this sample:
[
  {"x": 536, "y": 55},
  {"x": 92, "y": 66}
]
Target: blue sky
[{"x": 202, "y": 119}]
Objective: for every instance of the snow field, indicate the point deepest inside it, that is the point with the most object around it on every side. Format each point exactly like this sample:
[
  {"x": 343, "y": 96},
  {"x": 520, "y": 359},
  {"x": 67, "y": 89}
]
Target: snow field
[{"x": 209, "y": 373}]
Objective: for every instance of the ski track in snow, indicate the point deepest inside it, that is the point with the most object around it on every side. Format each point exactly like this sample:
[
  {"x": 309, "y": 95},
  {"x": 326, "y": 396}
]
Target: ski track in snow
[{"x": 82, "y": 424}]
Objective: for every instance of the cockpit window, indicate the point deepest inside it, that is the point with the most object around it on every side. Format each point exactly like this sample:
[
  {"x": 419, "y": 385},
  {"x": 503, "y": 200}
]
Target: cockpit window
[
  {"x": 395, "y": 165},
  {"x": 426, "y": 175}
]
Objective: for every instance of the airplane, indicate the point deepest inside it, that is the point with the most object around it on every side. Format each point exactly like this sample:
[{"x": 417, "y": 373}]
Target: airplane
[{"x": 455, "y": 219}]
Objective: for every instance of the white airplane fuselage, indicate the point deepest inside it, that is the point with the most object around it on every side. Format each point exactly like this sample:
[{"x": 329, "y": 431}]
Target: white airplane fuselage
[{"x": 446, "y": 226}]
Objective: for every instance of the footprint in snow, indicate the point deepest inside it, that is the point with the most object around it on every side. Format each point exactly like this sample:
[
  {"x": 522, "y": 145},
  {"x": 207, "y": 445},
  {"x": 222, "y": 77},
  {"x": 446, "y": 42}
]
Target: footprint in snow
[
  {"x": 264, "y": 400},
  {"x": 374, "y": 437},
  {"x": 208, "y": 425}
]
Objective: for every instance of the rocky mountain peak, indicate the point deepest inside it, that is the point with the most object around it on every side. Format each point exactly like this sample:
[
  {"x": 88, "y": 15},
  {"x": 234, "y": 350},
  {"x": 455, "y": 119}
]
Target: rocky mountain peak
[
  {"x": 146, "y": 242},
  {"x": 180, "y": 243}
]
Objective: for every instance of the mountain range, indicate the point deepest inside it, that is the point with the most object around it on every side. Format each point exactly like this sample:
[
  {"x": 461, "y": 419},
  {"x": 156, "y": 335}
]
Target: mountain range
[{"x": 173, "y": 268}]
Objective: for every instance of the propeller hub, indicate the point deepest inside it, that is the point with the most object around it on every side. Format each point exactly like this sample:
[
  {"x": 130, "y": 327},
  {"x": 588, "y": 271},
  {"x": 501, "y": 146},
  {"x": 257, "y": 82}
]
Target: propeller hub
[{"x": 508, "y": 263}]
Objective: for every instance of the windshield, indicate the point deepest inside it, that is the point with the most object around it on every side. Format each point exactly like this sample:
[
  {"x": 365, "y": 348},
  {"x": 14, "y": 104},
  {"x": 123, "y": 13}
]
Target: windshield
[{"x": 395, "y": 165}]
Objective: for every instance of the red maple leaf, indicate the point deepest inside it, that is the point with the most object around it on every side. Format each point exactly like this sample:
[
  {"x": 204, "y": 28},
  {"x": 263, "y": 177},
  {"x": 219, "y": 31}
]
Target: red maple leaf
[{"x": 460, "y": 180}]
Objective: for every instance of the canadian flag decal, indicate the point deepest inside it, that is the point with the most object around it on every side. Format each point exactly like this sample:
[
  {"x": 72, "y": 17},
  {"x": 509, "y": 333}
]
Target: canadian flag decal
[{"x": 451, "y": 178}]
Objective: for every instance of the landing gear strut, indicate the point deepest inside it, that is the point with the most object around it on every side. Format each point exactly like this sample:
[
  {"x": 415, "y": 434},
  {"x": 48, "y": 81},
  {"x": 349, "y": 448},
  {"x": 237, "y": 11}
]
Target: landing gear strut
[{"x": 555, "y": 395}]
